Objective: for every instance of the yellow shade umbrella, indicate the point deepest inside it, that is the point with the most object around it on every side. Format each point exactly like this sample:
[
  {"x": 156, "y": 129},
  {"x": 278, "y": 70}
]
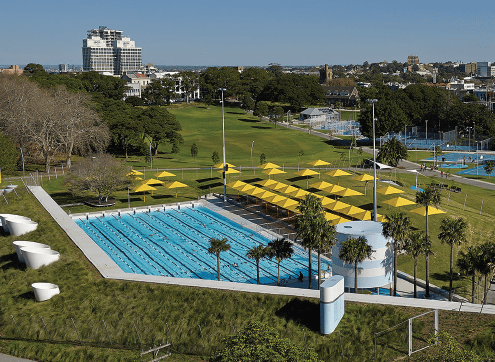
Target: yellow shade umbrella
[
  {"x": 347, "y": 192},
  {"x": 288, "y": 189},
  {"x": 364, "y": 215},
  {"x": 381, "y": 218},
  {"x": 153, "y": 181},
  {"x": 256, "y": 191},
  {"x": 273, "y": 171},
  {"x": 277, "y": 186},
  {"x": 229, "y": 171},
  {"x": 246, "y": 187},
  {"x": 142, "y": 188},
  {"x": 337, "y": 206},
  {"x": 364, "y": 177},
  {"x": 287, "y": 203},
  {"x": 321, "y": 185},
  {"x": 268, "y": 165},
  {"x": 220, "y": 165},
  {"x": 351, "y": 210},
  {"x": 333, "y": 189},
  {"x": 337, "y": 173},
  {"x": 175, "y": 185},
  {"x": 236, "y": 184},
  {"x": 299, "y": 194},
  {"x": 275, "y": 198},
  {"x": 327, "y": 201},
  {"x": 307, "y": 172},
  {"x": 164, "y": 174},
  {"x": 267, "y": 183},
  {"x": 388, "y": 190},
  {"x": 135, "y": 173},
  {"x": 340, "y": 220},
  {"x": 331, "y": 217},
  {"x": 318, "y": 163},
  {"x": 431, "y": 211},
  {"x": 398, "y": 202}
]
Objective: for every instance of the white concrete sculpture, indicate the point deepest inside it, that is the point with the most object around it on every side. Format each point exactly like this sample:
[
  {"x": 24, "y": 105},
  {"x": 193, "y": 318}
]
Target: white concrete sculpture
[
  {"x": 44, "y": 291},
  {"x": 18, "y": 227},
  {"x": 31, "y": 244},
  {"x": 4, "y": 217},
  {"x": 36, "y": 257}
]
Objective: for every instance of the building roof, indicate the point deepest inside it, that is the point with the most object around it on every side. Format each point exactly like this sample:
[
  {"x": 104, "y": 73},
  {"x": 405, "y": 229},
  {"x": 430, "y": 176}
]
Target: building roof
[{"x": 312, "y": 112}]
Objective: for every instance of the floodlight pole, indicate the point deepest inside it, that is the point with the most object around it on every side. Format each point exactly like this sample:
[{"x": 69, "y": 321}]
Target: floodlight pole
[
  {"x": 224, "y": 163},
  {"x": 252, "y": 145},
  {"x": 373, "y": 101}
]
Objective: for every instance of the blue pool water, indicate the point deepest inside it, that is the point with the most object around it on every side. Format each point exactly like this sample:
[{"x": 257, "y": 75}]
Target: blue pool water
[{"x": 174, "y": 243}]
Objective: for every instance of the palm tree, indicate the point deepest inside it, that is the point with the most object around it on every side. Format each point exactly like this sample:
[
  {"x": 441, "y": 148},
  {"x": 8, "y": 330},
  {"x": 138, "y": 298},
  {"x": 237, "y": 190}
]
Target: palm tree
[
  {"x": 280, "y": 249},
  {"x": 452, "y": 232},
  {"x": 429, "y": 197},
  {"x": 485, "y": 262},
  {"x": 417, "y": 244},
  {"x": 257, "y": 253},
  {"x": 324, "y": 241},
  {"x": 216, "y": 247},
  {"x": 397, "y": 227},
  {"x": 467, "y": 263},
  {"x": 354, "y": 251},
  {"x": 308, "y": 224}
]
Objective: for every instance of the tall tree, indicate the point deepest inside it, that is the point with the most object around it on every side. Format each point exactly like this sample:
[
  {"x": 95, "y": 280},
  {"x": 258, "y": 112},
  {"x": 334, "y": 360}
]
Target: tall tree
[
  {"x": 428, "y": 197},
  {"x": 261, "y": 110},
  {"x": 355, "y": 251},
  {"x": 397, "y": 227},
  {"x": 489, "y": 166},
  {"x": 216, "y": 247},
  {"x": 159, "y": 126},
  {"x": 215, "y": 157},
  {"x": 416, "y": 245},
  {"x": 257, "y": 253},
  {"x": 277, "y": 114},
  {"x": 280, "y": 249},
  {"x": 312, "y": 228},
  {"x": 101, "y": 174},
  {"x": 194, "y": 150},
  {"x": 391, "y": 152},
  {"x": 452, "y": 232},
  {"x": 467, "y": 263}
]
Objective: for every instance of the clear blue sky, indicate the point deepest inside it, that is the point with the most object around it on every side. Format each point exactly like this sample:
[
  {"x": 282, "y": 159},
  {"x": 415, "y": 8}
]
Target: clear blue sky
[{"x": 255, "y": 32}]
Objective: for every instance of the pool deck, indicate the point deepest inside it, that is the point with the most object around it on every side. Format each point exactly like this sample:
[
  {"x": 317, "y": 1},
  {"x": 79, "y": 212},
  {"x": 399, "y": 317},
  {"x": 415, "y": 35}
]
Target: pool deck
[{"x": 109, "y": 269}]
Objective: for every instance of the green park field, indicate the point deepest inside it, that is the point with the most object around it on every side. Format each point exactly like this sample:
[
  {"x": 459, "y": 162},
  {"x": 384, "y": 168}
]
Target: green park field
[{"x": 128, "y": 306}]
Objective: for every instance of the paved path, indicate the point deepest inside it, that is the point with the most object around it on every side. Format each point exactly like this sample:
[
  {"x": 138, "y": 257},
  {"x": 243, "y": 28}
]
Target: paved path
[{"x": 7, "y": 358}]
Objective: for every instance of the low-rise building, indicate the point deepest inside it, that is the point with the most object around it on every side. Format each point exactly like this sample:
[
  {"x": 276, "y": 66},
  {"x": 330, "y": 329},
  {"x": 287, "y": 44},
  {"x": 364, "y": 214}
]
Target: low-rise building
[
  {"x": 346, "y": 96},
  {"x": 13, "y": 69}
]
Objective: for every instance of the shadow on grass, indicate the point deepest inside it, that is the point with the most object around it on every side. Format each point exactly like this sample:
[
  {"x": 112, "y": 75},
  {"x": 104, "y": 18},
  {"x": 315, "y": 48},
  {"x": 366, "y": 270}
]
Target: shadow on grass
[
  {"x": 10, "y": 261},
  {"x": 252, "y": 180},
  {"x": 207, "y": 179},
  {"x": 159, "y": 197},
  {"x": 295, "y": 179},
  {"x": 206, "y": 187},
  {"x": 444, "y": 277},
  {"x": 262, "y": 127},
  {"x": 132, "y": 199},
  {"x": 66, "y": 198},
  {"x": 303, "y": 312},
  {"x": 249, "y": 120},
  {"x": 27, "y": 295}
]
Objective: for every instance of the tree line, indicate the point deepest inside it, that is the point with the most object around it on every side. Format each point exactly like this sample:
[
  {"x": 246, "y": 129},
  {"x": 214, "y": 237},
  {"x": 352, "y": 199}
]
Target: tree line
[{"x": 418, "y": 103}]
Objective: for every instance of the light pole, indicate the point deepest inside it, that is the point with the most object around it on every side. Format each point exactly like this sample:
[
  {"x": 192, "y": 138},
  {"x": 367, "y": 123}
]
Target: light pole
[
  {"x": 252, "y": 166},
  {"x": 224, "y": 163},
  {"x": 469, "y": 139},
  {"x": 426, "y": 121},
  {"x": 373, "y": 101}
]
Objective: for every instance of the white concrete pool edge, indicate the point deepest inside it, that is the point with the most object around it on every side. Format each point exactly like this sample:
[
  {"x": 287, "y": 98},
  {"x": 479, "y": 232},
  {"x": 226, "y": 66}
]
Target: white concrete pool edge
[{"x": 110, "y": 270}]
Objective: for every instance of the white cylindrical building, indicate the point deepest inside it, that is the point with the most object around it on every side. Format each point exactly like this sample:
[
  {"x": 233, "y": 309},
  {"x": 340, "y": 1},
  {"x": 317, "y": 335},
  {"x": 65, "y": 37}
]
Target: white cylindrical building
[{"x": 374, "y": 272}]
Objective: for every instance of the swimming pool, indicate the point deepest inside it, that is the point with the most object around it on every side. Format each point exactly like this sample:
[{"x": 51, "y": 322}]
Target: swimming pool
[{"x": 173, "y": 242}]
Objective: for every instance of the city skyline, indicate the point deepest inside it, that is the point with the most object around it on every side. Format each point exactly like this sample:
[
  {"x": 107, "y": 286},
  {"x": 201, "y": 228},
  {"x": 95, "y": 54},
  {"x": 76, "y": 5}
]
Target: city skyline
[{"x": 255, "y": 33}]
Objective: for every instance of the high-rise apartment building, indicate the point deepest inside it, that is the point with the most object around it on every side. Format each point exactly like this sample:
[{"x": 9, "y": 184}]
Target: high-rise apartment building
[
  {"x": 108, "y": 51},
  {"x": 412, "y": 59},
  {"x": 485, "y": 69}
]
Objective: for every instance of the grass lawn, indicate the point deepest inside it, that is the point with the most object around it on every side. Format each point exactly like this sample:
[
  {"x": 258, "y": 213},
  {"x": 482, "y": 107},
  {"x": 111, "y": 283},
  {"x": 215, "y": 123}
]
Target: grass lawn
[
  {"x": 86, "y": 297},
  {"x": 165, "y": 312}
]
